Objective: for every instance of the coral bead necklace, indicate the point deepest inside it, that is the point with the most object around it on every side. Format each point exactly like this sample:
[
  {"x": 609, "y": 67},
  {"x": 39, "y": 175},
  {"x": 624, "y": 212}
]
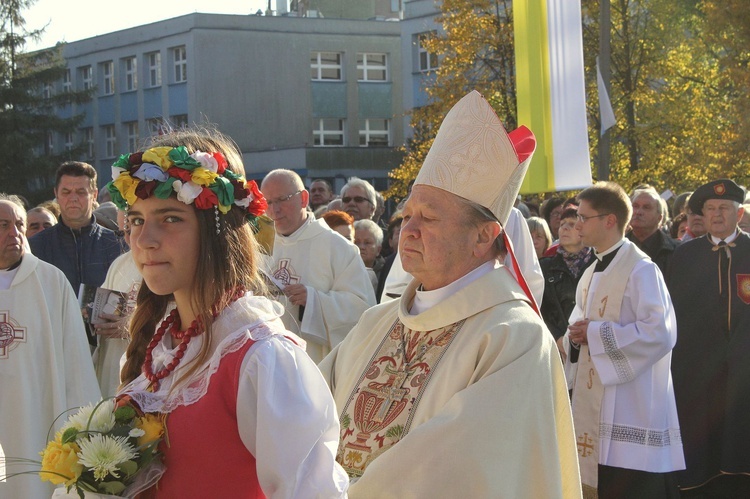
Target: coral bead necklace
[{"x": 171, "y": 323}]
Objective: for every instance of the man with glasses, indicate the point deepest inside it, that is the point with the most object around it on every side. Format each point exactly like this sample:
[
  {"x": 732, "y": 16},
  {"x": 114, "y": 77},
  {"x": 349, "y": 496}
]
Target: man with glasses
[
  {"x": 324, "y": 282},
  {"x": 618, "y": 354},
  {"x": 709, "y": 278},
  {"x": 359, "y": 199}
]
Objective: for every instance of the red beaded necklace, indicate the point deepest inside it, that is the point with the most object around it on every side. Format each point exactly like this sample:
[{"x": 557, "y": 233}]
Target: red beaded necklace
[{"x": 171, "y": 323}]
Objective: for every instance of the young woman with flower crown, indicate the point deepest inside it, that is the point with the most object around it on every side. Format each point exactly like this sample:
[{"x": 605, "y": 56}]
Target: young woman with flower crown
[{"x": 248, "y": 414}]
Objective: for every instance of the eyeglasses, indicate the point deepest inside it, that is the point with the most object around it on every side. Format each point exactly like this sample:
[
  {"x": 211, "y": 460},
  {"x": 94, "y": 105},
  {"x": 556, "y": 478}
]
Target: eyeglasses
[
  {"x": 357, "y": 199},
  {"x": 282, "y": 199},
  {"x": 583, "y": 219}
]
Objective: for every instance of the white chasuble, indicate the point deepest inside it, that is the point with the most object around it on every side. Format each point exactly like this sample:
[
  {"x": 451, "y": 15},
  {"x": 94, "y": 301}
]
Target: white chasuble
[
  {"x": 338, "y": 286},
  {"x": 602, "y": 303},
  {"x": 482, "y": 410},
  {"x": 380, "y": 409}
]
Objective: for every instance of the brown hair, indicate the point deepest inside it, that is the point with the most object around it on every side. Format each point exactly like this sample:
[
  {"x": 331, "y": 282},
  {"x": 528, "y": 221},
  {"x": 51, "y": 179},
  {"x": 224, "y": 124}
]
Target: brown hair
[
  {"x": 76, "y": 169},
  {"x": 606, "y": 198},
  {"x": 226, "y": 261}
]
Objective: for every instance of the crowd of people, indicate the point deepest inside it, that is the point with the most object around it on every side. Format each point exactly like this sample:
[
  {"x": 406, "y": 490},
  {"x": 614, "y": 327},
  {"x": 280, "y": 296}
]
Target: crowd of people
[{"x": 299, "y": 344}]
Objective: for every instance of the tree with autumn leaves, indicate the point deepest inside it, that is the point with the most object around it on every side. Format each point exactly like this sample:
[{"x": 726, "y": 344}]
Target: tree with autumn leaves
[{"x": 680, "y": 85}]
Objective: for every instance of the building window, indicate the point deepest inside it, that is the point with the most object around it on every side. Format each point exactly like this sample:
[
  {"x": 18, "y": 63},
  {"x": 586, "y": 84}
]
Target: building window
[
  {"x": 180, "y": 64},
  {"x": 69, "y": 141},
  {"x": 325, "y": 66},
  {"x": 86, "y": 77},
  {"x": 154, "y": 69},
  {"x": 108, "y": 78},
  {"x": 88, "y": 140},
  {"x": 47, "y": 91},
  {"x": 110, "y": 141},
  {"x": 131, "y": 74},
  {"x": 67, "y": 85},
  {"x": 328, "y": 132},
  {"x": 372, "y": 67},
  {"x": 374, "y": 133},
  {"x": 50, "y": 143},
  {"x": 179, "y": 121},
  {"x": 427, "y": 61},
  {"x": 132, "y": 129}
]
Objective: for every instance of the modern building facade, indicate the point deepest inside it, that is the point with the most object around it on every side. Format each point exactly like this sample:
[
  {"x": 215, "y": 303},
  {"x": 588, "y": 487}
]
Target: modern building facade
[{"x": 320, "y": 96}]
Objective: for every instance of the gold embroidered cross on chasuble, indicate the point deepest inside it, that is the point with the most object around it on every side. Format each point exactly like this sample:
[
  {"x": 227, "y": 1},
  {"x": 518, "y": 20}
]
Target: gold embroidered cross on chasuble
[{"x": 379, "y": 411}]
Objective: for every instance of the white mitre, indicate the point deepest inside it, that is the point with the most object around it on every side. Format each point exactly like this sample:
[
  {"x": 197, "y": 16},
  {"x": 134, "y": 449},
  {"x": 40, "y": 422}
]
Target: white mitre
[{"x": 475, "y": 158}]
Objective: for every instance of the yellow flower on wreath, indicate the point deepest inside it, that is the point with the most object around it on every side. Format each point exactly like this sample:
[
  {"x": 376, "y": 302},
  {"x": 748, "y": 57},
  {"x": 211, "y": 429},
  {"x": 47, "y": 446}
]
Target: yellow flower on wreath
[
  {"x": 60, "y": 463},
  {"x": 126, "y": 185},
  {"x": 203, "y": 176},
  {"x": 152, "y": 425},
  {"x": 158, "y": 156}
]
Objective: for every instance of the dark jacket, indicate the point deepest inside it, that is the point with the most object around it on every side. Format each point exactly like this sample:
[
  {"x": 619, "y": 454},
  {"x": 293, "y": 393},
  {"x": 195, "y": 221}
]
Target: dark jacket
[
  {"x": 559, "y": 293},
  {"x": 659, "y": 246},
  {"x": 84, "y": 255}
]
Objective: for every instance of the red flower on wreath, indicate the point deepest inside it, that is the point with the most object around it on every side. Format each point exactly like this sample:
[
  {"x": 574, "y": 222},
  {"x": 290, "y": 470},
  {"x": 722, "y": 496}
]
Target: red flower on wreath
[
  {"x": 206, "y": 199},
  {"x": 258, "y": 205}
]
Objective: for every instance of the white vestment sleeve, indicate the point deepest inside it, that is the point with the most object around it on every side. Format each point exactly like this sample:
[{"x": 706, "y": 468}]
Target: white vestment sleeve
[
  {"x": 288, "y": 420},
  {"x": 337, "y": 310},
  {"x": 523, "y": 247},
  {"x": 621, "y": 352},
  {"x": 81, "y": 386}
]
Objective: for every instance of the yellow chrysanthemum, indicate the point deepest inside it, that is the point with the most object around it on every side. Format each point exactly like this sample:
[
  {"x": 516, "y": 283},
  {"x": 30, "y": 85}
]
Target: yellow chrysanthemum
[
  {"x": 60, "y": 463},
  {"x": 224, "y": 209},
  {"x": 126, "y": 185},
  {"x": 158, "y": 156},
  {"x": 153, "y": 427},
  {"x": 202, "y": 176}
]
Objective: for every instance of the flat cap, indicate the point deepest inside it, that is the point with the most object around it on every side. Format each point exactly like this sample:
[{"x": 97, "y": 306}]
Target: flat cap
[{"x": 723, "y": 188}]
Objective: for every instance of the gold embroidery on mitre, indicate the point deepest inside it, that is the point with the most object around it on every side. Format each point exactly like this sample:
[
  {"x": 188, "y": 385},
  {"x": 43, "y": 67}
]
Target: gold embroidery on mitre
[{"x": 379, "y": 411}]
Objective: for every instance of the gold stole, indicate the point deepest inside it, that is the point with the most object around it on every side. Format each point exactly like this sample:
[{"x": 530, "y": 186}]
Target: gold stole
[{"x": 588, "y": 392}]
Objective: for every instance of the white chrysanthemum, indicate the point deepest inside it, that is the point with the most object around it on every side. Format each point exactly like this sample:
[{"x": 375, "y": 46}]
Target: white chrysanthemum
[
  {"x": 136, "y": 432},
  {"x": 103, "y": 453},
  {"x": 103, "y": 420}
]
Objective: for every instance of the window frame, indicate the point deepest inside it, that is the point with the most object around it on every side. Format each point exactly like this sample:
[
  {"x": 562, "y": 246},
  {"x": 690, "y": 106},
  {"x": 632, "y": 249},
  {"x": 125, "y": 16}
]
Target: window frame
[
  {"x": 131, "y": 73},
  {"x": 319, "y": 67},
  {"x": 429, "y": 56},
  {"x": 320, "y": 132},
  {"x": 179, "y": 58},
  {"x": 365, "y": 67},
  {"x": 366, "y": 133},
  {"x": 110, "y": 141},
  {"x": 154, "y": 69},
  {"x": 87, "y": 77},
  {"x": 108, "y": 77}
]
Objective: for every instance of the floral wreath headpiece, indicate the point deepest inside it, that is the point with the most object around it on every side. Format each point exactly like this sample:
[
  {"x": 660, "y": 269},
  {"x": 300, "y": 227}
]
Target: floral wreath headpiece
[{"x": 201, "y": 179}]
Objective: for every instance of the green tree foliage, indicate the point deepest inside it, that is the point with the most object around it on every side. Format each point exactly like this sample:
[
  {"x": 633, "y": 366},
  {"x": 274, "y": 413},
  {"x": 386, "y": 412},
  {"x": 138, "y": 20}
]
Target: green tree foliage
[{"x": 30, "y": 94}]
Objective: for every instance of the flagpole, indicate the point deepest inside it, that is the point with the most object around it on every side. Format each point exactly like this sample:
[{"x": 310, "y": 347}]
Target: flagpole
[{"x": 602, "y": 170}]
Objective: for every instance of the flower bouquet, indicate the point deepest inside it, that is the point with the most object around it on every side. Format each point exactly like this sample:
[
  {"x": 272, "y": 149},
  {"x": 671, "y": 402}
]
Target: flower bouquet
[{"x": 108, "y": 448}]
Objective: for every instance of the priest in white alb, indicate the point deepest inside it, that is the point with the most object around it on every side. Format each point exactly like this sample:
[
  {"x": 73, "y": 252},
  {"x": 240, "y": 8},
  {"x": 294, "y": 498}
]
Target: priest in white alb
[
  {"x": 325, "y": 285},
  {"x": 618, "y": 355},
  {"x": 457, "y": 389},
  {"x": 45, "y": 361}
]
